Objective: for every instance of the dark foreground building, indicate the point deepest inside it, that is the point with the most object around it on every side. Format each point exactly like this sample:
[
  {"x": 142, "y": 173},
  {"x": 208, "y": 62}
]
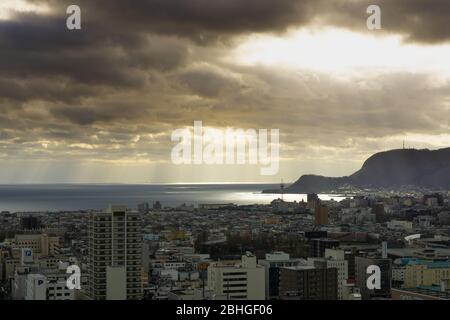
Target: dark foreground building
[
  {"x": 308, "y": 283},
  {"x": 317, "y": 247}
]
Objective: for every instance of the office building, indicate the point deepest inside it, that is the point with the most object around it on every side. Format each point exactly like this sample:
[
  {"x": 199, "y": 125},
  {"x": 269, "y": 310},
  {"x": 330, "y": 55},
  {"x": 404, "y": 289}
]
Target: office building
[
  {"x": 243, "y": 280},
  {"x": 321, "y": 214}
]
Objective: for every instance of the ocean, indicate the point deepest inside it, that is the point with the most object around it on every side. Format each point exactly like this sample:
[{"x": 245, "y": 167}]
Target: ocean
[{"x": 73, "y": 197}]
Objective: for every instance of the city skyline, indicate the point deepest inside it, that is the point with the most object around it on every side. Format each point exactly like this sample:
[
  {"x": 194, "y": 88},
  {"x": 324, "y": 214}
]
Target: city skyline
[
  {"x": 99, "y": 105},
  {"x": 211, "y": 158}
]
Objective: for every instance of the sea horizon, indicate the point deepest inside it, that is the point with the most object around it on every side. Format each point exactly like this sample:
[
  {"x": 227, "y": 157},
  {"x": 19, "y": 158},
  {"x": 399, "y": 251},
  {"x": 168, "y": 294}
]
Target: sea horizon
[{"x": 79, "y": 197}]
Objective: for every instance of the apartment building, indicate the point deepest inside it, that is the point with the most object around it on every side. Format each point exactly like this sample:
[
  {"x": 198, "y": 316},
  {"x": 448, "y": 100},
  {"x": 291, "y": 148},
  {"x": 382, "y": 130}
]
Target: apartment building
[
  {"x": 334, "y": 259},
  {"x": 115, "y": 261},
  {"x": 419, "y": 273}
]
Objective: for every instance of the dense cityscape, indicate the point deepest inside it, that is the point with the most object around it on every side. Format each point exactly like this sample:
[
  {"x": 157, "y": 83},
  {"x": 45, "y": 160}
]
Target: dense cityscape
[
  {"x": 224, "y": 158},
  {"x": 309, "y": 250}
]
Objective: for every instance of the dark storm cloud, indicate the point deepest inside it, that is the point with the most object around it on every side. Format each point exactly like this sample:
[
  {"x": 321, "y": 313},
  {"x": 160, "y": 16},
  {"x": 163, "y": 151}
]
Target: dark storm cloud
[
  {"x": 429, "y": 20},
  {"x": 422, "y": 21},
  {"x": 38, "y": 46},
  {"x": 207, "y": 81},
  {"x": 20, "y": 90},
  {"x": 201, "y": 20},
  {"x": 84, "y": 115},
  {"x": 133, "y": 74},
  {"x": 204, "y": 20},
  {"x": 117, "y": 45}
]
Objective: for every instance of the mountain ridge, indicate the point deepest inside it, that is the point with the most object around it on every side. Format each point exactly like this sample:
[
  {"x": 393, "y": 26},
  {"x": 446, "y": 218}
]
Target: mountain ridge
[{"x": 387, "y": 169}]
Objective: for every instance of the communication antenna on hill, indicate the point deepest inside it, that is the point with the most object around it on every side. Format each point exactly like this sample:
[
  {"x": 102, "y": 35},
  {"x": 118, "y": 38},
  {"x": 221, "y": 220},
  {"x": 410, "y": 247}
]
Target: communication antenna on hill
[{"x": 282, "y": 189}]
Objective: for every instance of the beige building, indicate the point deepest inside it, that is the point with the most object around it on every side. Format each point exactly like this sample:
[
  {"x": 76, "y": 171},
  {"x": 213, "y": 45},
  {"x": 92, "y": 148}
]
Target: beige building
[
  {"x": 10, "y": 266},
  {"x": 115, "y": 261},
  {"x": 422, "y": 273},
  {"x": 45, "y": 249},
  {"x": 400, "y": 225},
  {"x": 237, "y": 280},
  {"x": 321, "y": 214},
  {"x": 41, "y": 244}
]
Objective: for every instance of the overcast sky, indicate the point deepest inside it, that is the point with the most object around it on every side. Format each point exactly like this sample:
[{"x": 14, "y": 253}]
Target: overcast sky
[{"x": 99, "y": 105}]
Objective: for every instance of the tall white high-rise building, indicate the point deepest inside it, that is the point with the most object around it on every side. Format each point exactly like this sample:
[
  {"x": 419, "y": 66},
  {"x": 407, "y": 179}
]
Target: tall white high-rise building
[{"x": 114, "y": 268}]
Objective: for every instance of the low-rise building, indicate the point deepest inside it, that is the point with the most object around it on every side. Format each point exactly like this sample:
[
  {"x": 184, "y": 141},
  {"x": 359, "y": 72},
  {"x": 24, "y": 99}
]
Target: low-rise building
[{"x": 244, "y": 280}]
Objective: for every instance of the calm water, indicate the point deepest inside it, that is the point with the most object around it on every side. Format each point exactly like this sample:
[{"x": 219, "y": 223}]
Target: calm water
[{"x": 17, "y": 198}]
